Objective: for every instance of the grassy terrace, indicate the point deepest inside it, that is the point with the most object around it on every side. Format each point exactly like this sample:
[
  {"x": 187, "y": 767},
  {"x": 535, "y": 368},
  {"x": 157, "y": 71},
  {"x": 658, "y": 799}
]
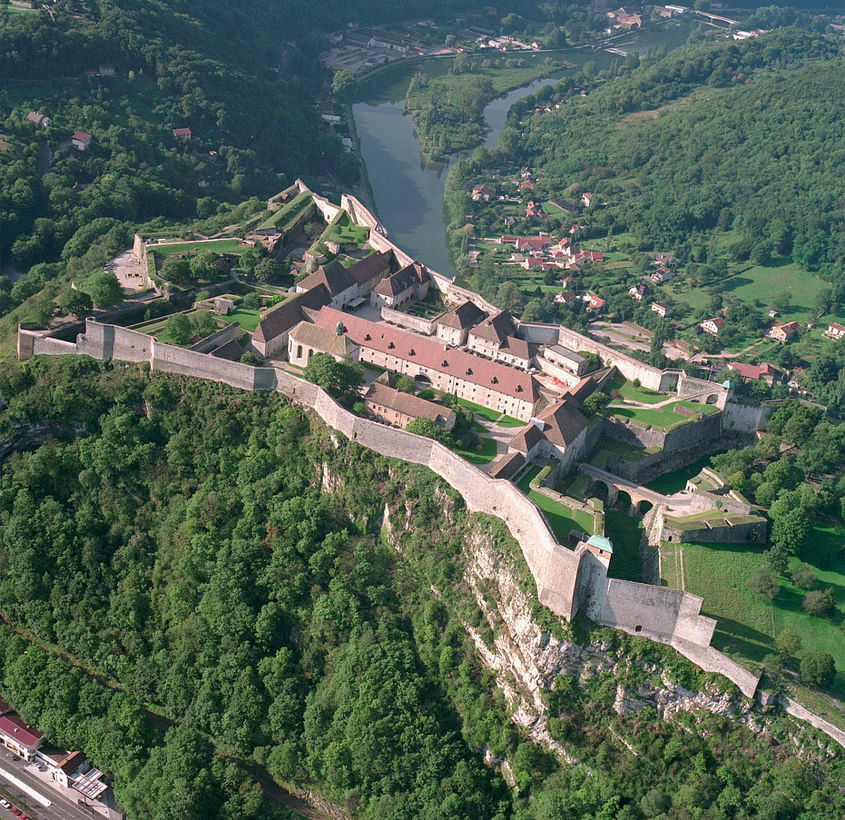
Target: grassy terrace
[
  {"x": 713, "y": 517},
  {"x": 247, "y": 319},
  {"x": 631, "y": 392},
  {"x": 485, "y": 453},
  {"x": 747, "y": 624},
  {"x": 216, "y": 245},
  {"x": 561, "y": 518},
  {"x": 663, "y": 418},
  {"x": 490, "y": 415},
  {"x": 344, "y": 231},
  {"x": 625, "y": 532},
  {"x": 675, "y": 481},
  {"x": 288, "y": 213}
]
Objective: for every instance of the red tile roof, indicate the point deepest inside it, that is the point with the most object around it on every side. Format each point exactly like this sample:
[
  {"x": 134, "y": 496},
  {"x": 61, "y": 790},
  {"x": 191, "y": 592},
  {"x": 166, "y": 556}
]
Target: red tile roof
[
  {"x": 12, "y": 726},
  {"x": 432, "y": 354},
  {"x": 753, "y": 371},
  {"x": 81, "y": 136}
]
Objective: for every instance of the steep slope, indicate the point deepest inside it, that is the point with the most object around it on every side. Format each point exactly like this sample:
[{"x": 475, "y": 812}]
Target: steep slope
[{"x": 333, "y": 620}]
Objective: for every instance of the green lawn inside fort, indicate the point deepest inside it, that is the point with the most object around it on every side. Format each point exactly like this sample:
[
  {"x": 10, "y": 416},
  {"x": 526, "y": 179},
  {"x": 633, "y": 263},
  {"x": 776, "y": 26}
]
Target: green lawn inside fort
[
  {"x": 676, "y": 480},
  {"x": 561, "y": 518},
  {"x": 625, "y": 532},
  {"x": 216, "y": 245},
  {"x": 247, "y": 319},
  {"x": 288, "y": 213},
  {"x": 484, "y": 453},
  {"x": 748, "y": 624},
  {"x": 345, "y": 232},
  {"x": 633, "y": 392},
  {"x": 663, "y": 418}
]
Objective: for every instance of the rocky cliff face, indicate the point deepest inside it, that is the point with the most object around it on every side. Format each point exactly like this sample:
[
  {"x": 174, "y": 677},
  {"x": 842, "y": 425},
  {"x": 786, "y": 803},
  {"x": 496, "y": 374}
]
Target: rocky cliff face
[{"x": 526, "y": 660}]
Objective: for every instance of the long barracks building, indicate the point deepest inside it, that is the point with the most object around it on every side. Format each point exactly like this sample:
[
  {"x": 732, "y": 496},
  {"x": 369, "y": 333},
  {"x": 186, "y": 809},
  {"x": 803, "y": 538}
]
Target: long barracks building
[{"x": 449, "y": 370}]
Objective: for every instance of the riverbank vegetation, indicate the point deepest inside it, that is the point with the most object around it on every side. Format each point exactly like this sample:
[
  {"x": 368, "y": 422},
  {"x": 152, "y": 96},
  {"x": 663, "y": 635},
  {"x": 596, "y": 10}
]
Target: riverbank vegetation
[
  {"x": 448, "y": 110},
  {"x": 222, "y": 558}
]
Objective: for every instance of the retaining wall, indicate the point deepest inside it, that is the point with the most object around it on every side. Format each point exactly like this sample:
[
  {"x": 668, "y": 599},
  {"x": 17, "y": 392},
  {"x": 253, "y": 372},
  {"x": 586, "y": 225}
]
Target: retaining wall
[
  {"x": 418, "y": 323},
  {"x": 227, "y": 334},
  {"x": 753, "y": 532}
]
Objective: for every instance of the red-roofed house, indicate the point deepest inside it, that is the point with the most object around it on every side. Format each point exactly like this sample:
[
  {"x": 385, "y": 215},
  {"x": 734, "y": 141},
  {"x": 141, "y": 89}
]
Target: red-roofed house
[
  {"x": 588, "y": 199},
  {"x": 532, "y": 243},
  {"x": 586, "y": 256},
  {"x": 835, "y": 330},
  {"x": 182, "y": 133},
  {"x": 595, "y": 304},
  {"x": 80, "y": 140},
  {"x": 784, "y": 332},
  {"x": 18, "y": 737},
  {"x": 713, "y": 326},
  {"x": 752, "y": 372},
  {"x": 471, "y": 377},
  {"x": 661, "y": 310}
]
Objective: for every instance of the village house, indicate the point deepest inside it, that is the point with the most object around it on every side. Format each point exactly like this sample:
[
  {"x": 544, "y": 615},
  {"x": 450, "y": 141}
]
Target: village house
[
  {"x": 106, "y": 70},
  {"x": 754, "y": 372},
  {"x": 306, "y": 339},
  {"x": 39, "y": 120},
  {"x": 450, "y": 370},
  {"x": 80, "y": 140},
  {"x": 565, "y": 297},
  {"x": 595, "y": 304},
  {"x": 784, "y": 332},
  {"x": 534, "y": 210},
  {"x": 530, "y": 244},
  {"x": 411, "y": 282},
  {"x": 661, "y": 310},
  {"x": 835, "y": 331},
  {"x": 399, "y": 409},
  {"x": 713, "y": 326},
  {"x": 182, "y": 133},
  {"x": 661, "y": 275},
  {"x": 17, "y": 737},
  {"x": 664, "y": 259},
  {"x": 639, "y": 292},
  {"x": 482, "y": 192},
  {"x": 582, "y": 257},
  {"x": 587, "y": 199}
]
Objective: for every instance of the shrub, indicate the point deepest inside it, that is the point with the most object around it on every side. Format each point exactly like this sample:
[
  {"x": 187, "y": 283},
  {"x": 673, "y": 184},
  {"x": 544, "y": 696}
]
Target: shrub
[
  {"x": 819, "y": 603},
  {"x": 803, "y": 576},
  {"x": 818, "y": 669},
  {"x": 764, "y": 584}
]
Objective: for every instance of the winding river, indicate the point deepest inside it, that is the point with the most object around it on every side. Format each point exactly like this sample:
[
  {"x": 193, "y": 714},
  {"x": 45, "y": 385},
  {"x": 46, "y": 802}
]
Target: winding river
[{"x": 408, "y": 191}]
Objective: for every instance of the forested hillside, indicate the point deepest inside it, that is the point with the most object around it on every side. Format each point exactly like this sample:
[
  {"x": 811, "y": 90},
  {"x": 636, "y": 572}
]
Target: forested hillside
[
  {"x": 243, "y": 77},
  {"x": 301, "y": 609},
  {"x": 717, "y": 137}
]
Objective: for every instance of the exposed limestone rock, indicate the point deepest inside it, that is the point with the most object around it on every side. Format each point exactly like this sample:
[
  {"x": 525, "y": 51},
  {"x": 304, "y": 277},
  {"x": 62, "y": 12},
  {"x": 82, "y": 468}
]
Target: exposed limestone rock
[{"x": 526, "y": 660}]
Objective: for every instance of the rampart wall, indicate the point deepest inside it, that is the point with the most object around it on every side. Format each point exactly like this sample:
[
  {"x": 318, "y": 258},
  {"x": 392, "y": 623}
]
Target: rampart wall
[
  {"x": 745, "y": 418},
  {"x": 456, "y": 294},
  {"x": 753, "y": 532},
  {"x": 648, "y": 376},
  {"x": 664, "y": 615}
]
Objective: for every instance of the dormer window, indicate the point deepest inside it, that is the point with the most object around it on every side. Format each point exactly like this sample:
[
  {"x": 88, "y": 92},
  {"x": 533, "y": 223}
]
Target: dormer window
[
  {"x": 390, "y": 345},
  {"x": 495, "y": 380},
  {"x": 444, "y": 363},
  {"x": 412, "y": 352},
  {"x": 469, "y": 371},
  {"x": 519, "y": 388},
  {"x": 367, "y": 337}
]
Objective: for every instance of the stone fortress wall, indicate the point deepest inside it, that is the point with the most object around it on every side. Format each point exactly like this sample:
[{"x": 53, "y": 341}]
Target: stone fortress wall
[{"x": 658, "y": 613}]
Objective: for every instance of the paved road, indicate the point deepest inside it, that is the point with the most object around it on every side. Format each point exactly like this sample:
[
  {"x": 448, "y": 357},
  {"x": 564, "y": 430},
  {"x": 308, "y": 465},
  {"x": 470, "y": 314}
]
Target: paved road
[{"x": 62, "y": 808}]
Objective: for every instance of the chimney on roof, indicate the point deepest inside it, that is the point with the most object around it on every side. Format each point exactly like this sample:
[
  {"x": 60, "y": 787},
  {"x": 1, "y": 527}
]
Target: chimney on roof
[{"x": 340, "y": 329}]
